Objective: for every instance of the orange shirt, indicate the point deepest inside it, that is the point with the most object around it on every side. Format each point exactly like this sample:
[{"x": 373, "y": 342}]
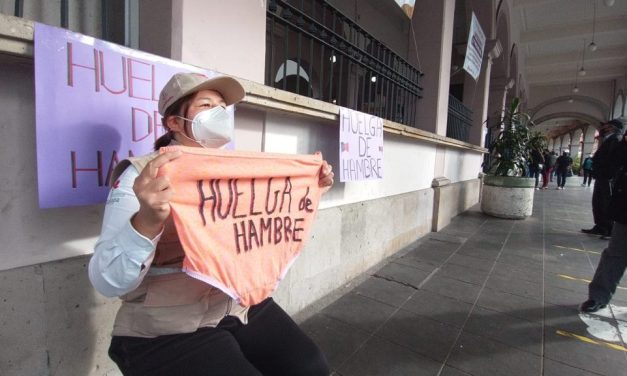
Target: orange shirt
[{"x": 242, "y": 217}]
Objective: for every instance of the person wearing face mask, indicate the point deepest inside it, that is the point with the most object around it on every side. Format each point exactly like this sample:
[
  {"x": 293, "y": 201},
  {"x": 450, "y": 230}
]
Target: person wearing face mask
[
  {"x": 613, "y": 260},
  {"x": 603, "y": 170},
  {"x": 170, "y": 323}
]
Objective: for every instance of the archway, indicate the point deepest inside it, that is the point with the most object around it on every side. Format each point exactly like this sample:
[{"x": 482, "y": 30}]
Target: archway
[{"x": 601, "y": 107}]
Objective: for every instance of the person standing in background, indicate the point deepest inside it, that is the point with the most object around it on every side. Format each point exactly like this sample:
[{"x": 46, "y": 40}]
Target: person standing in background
[
  {"x": 537, "y": 163},
  {"x": 587, "y": 170},
  {"x": 603, "y": 168},
  {"x": 552, "y": 162},
  {"x": 561, "y": 167},
  {"x": 614, "y": 258},
  {"x": 548, "y": 168}
]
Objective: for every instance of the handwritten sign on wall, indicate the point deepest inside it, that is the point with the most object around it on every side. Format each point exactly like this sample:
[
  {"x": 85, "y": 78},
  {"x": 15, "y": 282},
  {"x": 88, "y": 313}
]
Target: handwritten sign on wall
[
  {"x": 361, "y": 146},
  {"x": 96, "y": 104},
  {"x": 242, "y": 217},
  {"x": 474, "y": 50}
]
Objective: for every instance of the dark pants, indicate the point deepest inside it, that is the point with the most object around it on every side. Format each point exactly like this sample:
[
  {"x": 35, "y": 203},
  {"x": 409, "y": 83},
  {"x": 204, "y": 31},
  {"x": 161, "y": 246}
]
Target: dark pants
[
  {"x": 601, "y": 203},
  {"x": 546, "y": 176},
  {"x": 534, "y": 172},
  {"x": 611, "y": 266},
  {"x": 587, "y": 177},
  {"x": 270, "y": 344},
  {"x": 561, "y": 177}
]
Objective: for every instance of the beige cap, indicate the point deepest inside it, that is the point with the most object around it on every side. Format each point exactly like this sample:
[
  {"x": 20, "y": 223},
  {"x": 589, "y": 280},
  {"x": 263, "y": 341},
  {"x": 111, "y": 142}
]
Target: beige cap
[{"x": 182, "y": 84}]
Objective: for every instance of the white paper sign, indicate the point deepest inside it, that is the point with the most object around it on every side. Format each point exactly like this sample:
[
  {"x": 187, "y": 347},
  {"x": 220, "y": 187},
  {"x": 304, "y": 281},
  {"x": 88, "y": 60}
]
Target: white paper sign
[
  {"x": 474, "y": 49},
  {"x": 361, "y": 146}
]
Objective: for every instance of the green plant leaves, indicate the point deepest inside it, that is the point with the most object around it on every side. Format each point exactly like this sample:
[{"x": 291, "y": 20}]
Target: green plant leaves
[{"x": 512, "y": 149}]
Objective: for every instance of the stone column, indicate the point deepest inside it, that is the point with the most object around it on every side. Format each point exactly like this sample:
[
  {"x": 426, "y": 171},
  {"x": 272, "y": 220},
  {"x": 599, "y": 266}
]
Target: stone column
[
  {"x": 228, "y": 36},
  {"x": 575, "y": 137},
  {"x": 565, "y": 142},
  {"x": 477, "y": 94},
  {"x": 432, "y": 23},
  {"x": 496, "y": 103},
  {"x": 589, "y": 141},
  {"x": 575, "y": 147}
]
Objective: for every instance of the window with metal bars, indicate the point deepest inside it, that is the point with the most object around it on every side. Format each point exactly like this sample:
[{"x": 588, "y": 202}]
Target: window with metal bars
[
  {"x": 316, "y": 51},
  {"x": 459, "y": 120},
  {"x": 112, "y": 20}
]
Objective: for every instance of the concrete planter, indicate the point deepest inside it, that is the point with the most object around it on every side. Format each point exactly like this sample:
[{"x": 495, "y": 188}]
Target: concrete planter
[{"x": 507, "y": 196}]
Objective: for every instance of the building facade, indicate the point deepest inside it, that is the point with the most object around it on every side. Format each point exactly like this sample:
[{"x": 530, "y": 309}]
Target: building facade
[{"x": 300, "y": 61}]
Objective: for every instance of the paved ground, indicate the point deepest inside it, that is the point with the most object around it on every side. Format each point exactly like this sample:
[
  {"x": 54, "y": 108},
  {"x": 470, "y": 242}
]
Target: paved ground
[{"x": 484, "y": 296}]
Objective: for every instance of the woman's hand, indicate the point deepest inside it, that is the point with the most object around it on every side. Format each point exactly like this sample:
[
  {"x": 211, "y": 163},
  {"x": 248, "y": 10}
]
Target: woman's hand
[
  {"x": 325, "y": 179},
  {"x": 154, "y": 194}
]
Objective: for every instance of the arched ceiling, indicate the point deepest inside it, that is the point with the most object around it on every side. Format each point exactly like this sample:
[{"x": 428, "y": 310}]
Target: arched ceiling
[
  {"x": 551, "y": 41},
  {"x": 558, "y": 124}
]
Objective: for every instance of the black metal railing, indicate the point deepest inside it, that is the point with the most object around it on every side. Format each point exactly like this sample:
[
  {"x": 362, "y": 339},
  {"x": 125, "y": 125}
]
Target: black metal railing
[
  {"x": 459, "y": 120},
  {"x": 316, "y": 51}
]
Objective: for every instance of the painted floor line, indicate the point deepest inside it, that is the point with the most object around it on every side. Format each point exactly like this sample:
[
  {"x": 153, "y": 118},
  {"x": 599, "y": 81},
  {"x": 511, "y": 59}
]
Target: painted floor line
[
  {"x": 576, "y": 249},
  {"x": 565, "y": 230},
  {"x": 592, "y": 341},
  {"x": 583, "y": 280}
]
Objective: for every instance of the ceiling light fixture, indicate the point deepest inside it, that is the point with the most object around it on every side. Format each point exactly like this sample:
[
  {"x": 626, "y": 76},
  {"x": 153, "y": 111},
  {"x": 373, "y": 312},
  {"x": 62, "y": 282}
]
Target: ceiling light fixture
[
  {"x": 592, "y": 46},
  {"x": 576, "y": 88},
  {"x": 582, "y": 71}
]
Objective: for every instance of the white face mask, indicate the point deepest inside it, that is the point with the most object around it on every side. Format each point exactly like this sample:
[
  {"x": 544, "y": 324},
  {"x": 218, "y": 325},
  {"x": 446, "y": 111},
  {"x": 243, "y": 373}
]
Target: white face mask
[{"x": 212, "y": 128}]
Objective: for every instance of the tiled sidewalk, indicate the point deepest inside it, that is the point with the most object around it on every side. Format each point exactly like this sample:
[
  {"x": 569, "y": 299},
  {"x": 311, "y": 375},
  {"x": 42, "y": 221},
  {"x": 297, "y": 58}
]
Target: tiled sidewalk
[{"x": 485, "y": 296}]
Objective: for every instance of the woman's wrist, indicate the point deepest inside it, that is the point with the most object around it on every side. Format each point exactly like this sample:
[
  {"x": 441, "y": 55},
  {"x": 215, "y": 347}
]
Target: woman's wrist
[{"x": 149, "y": 229}]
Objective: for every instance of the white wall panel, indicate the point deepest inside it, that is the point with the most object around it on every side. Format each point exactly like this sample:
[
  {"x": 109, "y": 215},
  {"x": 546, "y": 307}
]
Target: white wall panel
[
  {"x": 408, "y": 165},
  {"x": 462, "y": 165}
]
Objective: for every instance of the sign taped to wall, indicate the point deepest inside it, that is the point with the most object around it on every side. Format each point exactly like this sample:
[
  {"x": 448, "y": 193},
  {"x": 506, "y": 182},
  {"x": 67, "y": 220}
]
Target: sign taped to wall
[
  {"x": 361, "y": 146},
  {"x": 474, "y": 48},
  {"x": 96, "y": 104}
]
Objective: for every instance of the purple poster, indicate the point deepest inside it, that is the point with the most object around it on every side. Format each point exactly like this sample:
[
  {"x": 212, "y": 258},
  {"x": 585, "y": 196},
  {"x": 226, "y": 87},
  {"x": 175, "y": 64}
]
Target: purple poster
[
  {"x": 96, "y": 104},
  {"x": 361, "y": 146}
]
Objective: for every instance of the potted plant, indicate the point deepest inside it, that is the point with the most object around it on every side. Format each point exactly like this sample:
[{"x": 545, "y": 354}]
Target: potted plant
[{"x": 507, "y": 191}]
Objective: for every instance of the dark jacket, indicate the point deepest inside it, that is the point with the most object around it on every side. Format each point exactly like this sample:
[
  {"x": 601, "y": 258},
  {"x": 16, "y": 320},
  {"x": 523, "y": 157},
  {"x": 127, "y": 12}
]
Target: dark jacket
[
  {"x": 563, "y": 162},
  {"x": 604, "y": 163},
  {"x": 618, "y": 201},
  {"x": 587, "y": 164},
  {"x": 536, "y": 158}
]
